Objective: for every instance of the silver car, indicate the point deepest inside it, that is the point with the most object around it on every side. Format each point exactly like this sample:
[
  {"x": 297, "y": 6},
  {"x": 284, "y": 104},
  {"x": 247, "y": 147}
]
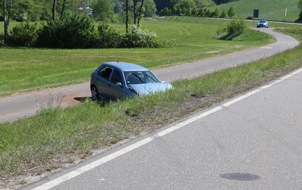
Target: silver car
[
  {"x": 115, "y": 80},
  {"x": 262, "y": 23}
]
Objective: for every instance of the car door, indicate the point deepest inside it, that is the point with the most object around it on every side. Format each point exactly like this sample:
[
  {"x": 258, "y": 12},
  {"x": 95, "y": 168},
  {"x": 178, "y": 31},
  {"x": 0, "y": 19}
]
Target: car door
[
  {"x": 118, "y": 87},
  {"x": 103, "y": 82}
]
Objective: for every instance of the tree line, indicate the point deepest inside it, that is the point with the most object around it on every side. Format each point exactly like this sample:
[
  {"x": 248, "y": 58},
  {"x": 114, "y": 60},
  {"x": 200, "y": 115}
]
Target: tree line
[
  {"x": 99, "y": 10},
  {"x": 122, "y": 11},
  {"x": 102, "y": 10},
  {"x": 70, "y": 24},
  {"x": 161, "y": 4}
]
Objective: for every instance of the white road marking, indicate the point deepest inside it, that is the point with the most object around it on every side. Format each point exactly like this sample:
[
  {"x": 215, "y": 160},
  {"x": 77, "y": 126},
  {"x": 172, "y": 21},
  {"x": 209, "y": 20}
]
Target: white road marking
[{"x": 149, "y": 139}]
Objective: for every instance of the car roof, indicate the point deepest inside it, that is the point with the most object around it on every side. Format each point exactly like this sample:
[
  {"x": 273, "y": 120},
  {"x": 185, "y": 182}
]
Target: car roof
[{"x": 124, "y": 66}]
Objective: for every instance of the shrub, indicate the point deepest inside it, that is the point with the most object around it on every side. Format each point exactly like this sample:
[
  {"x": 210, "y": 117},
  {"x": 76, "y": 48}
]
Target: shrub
[
  {"x": 108, "y": 37},
  {"x": 72, "y": 31},
  {"x": 223, "y": 14},
  {"x": 236, "y": 27},
  {"x": 208, "y": 13},
  {"x": 232, "y": 30},
  {"x": 23, "y": 34},
  {"x": 139, "y": 38},
  {"x": 202, "y": 12},
  {"x": 216, "y": 13}
]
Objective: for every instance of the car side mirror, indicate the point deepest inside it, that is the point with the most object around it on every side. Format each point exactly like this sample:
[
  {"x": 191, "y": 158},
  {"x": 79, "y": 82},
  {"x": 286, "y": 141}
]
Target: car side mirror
[{"x": 119, "y": 84}]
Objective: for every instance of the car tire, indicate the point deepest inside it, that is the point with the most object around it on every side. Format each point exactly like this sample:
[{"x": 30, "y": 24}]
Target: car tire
[{"x": 94, "y": 93}]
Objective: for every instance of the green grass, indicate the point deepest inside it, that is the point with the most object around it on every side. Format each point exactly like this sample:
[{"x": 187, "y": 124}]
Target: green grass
[
  {"x": 56, "y": 137},
  {"x": 268, "y": 9},
  {"x": 26, "y": 69}
]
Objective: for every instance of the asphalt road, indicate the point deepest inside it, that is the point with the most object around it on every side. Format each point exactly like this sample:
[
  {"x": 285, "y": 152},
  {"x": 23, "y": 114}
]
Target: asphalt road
[
  {"x": 250, "y": 142},
  {"x": 27, "y": 104}
]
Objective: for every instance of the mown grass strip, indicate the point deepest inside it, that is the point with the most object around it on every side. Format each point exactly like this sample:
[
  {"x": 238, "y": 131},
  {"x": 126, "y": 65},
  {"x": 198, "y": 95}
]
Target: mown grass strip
[
  {"x": 25, "y": 69},
  {"x": 57, "y": 137}
]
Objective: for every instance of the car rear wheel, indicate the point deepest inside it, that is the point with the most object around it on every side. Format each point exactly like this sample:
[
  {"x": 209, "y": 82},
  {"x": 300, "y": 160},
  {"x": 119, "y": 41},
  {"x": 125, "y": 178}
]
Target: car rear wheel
[{"x": 94, "y": 93}]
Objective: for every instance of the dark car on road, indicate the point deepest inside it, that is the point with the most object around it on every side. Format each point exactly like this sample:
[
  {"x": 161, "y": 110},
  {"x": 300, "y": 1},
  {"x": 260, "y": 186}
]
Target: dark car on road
[
  {"x": 115, "y": 80},
  {"x": 262, "y": 23}
]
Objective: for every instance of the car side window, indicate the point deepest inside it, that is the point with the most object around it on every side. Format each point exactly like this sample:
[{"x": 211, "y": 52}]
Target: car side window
[
  {"x": 116, "y": 77},
  {"x": 105, "y": 72}
]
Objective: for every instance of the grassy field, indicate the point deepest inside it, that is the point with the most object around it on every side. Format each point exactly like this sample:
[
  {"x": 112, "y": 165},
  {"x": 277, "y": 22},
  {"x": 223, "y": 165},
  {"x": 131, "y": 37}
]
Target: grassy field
[
  {"x": 25, "y": 69},
  {"x": 56, "y": 138},
  {"x": 268, "y": 9}
]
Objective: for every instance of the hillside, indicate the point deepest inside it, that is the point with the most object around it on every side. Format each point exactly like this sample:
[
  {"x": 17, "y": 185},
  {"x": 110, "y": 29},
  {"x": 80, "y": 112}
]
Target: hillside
[{"x": 268, "y": 9}]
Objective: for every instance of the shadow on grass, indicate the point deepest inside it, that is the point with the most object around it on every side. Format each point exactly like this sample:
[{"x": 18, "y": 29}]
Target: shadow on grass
[
  {"x": 100, "y": 102},
  {"x": 82, "y": 99},
  {"x": 229, "y": 36}
]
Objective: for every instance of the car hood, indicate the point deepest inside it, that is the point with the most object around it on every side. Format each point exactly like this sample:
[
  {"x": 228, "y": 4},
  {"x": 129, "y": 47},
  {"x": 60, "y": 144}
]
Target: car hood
[{"x": 149, "y": 88}]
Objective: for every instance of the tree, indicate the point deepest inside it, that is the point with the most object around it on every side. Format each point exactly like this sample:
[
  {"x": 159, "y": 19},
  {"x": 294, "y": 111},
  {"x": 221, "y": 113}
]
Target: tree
[
  {"x": 174, "y": 10},
  {"x": 134, "y": 10},
  {"x": 165, "y": 12},
  {"x": 150, "y": 8},
  {"x": 127, "y": 15},
  {"x": 218, "y": 2},
  {"x": 188, "y": 4},
  {"x": 231, "y": 12},
  {"x": 53, "y": 10},
  {"x": 6, "y": 18},
  {"x": 117, "y": 6},
  {"x": 54, "y": 7},
  {"x": 216, "y": 13},
  {"x": 141, "y": 12},
  {"x": 102, "y": 10},
  {"x": 208, "y": 13},
  {"x": 204, "y": 3},
  {"x": 201, "y": 12},
  {"x": 223, "y": 14},
  {"x": 300, "y": 7},
  {"x": 21, "y": 10},
  {"x": 161, "y": 4},
  {"x": 63, "y": 8},
  {"x": 138, "y": 11}
]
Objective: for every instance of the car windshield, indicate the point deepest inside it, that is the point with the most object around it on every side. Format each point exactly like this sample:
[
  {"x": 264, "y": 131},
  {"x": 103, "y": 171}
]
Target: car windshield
[
  {"x": 140, "y": 77},
  {"x": 262, "y": 21}
]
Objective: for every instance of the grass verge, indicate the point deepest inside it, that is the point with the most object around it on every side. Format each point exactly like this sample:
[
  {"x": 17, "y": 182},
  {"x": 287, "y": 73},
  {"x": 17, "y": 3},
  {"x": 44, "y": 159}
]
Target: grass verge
[{"x": 56, "y": 138}]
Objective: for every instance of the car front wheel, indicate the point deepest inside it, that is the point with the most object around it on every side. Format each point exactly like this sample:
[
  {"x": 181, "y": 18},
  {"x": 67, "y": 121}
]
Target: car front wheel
[{"x": 94, "y": 93}]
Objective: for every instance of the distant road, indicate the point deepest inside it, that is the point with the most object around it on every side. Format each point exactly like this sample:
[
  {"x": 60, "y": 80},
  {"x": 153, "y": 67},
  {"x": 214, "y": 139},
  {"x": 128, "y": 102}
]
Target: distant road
[{"x": 27, "y": 104}]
